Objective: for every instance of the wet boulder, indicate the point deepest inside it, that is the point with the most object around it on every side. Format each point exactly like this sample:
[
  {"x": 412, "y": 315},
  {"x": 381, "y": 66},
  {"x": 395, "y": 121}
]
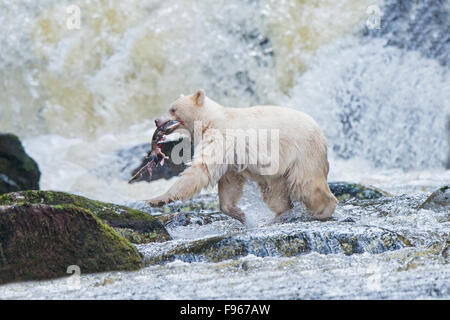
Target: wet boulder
[
  {"x": 291, "y": 240},
  {"x": 17, "y": 170},
  {"x": 200, "y": 210},
  {"x": 199, "y": 203},
  {"x": 438, "y": 200},
  {"x": 134, "y": 225},
  {"x": 39, "y": 241},
  {"x": 182, "y": 219},
  {"x": 346, "y": 191}
]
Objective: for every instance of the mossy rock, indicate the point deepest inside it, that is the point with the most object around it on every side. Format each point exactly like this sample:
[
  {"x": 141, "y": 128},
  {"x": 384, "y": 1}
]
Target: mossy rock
[
  {"x": 17, "y": 170},
  {"x": 346, "y": 191},
  {"x": 39, "y": 241},
  {"x": 144, "y": 227},
  {"x": 438, "y": 200}
]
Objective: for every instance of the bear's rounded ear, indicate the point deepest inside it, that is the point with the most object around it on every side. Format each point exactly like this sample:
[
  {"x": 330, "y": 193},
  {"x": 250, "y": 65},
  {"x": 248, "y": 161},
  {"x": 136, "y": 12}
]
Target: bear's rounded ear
[{"x": 199, "y": 97}]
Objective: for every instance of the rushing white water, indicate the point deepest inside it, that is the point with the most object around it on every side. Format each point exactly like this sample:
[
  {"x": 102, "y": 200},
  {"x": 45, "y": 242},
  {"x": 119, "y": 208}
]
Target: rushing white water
[
  {"x": 77, "y": 96},
  {"x": 130, "y": 59},
  {"x": 81, "y": 99},
  {"x": 407, "y": 273},
  {"x": 341, "y": 277},
  {"x": 379, "y": 103}
]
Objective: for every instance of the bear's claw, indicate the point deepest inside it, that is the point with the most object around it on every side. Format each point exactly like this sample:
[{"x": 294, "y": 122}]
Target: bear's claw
[{"x": 157, "y": 202}]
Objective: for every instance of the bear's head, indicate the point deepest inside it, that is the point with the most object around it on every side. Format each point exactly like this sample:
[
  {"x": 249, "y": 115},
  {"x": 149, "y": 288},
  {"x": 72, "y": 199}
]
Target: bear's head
[{"x": 188, "y": 110}]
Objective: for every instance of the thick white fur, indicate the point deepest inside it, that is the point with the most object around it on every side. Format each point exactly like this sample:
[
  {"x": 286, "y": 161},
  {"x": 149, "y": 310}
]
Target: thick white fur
[{"x": 301, "y": 171}]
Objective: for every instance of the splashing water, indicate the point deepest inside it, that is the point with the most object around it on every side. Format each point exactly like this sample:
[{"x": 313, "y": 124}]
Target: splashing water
[
  {"x": 129, "y": 60},
  {"x": 82, "y": 100},
  {"x": 77, "y": 96},
  {"x": 378, "y": 103}
]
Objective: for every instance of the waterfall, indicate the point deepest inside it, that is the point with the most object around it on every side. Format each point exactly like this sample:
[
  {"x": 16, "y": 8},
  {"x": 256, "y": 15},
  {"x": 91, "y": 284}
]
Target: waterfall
[{"x": 380, "y": 95}]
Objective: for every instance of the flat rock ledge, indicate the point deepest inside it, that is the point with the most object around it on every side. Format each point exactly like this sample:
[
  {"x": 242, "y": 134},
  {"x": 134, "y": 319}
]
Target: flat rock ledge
[{"x": 293, "y": 240}]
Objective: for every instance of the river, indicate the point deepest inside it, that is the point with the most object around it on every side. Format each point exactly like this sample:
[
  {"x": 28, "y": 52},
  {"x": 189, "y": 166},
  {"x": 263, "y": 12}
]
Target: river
[{"x": 81, "y": 98}]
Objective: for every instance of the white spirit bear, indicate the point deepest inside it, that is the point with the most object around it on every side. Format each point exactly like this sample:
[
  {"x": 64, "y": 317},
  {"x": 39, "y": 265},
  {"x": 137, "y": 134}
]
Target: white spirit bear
[{"x": 297, "y": 168}]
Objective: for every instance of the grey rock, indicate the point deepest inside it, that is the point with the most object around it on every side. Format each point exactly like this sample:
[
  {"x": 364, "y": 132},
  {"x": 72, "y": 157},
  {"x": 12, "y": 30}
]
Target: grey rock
[
  {"x": 348, "y": 190},
  {"x": 439, "y": 200},
  {"x": 291, "y": 240}
]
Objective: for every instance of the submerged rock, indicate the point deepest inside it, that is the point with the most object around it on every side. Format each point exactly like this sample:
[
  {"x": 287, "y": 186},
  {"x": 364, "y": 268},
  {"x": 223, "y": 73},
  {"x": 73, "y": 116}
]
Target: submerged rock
[
  {"x": 291, "y": 240},
  {"x": 438, "y": 200},
  {"x": 200, "y": 210},
  {"x": 205, "y": 203},
  {"x": 17, "y": 170},
  {"x": 173, "y": 220},
  {"x": 39, "y": 241},
  {"x": 346, "y": 190},
  {"x": 135, "y": 225}
]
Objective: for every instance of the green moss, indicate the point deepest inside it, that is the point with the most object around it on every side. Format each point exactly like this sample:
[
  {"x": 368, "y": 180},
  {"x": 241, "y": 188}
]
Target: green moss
[
  {"x": 345, "y": 191},
  {"x": 344, "y": 196},
  {"x": 291, "y": 246},
  {"x": 404, "y": 240},
  {"x": 41, "y": 241},
  {"x": 137, "y": 237},
  {"x": 387, "y": 240},
  {"x": 348, "y": 245},
  {"x": 116, "y": 216}
]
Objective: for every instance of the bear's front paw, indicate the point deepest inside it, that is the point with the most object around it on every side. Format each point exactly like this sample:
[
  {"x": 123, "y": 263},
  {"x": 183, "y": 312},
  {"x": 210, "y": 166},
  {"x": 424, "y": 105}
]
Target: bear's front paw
[{"x": 157, "y": 202}]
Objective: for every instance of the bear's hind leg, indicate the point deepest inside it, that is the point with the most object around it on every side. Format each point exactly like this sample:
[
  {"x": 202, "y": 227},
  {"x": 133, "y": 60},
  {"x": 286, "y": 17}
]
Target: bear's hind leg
[
  {"x": 275, "y": 194},
  {"x": 317, "y": 197},
  {"x": 230, "y": 189}
]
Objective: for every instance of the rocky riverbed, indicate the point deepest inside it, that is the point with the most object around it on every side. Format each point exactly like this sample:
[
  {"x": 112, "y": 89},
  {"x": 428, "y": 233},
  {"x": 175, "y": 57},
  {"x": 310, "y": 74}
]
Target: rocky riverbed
[
  {"x": 87, "y": 124},
  {"x": 384, "y": 247}
]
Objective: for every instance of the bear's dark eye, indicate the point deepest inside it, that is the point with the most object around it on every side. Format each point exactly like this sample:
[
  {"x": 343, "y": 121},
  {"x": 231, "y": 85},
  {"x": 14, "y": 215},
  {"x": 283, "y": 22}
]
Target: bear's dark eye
[{"x": 172, "y": 110}]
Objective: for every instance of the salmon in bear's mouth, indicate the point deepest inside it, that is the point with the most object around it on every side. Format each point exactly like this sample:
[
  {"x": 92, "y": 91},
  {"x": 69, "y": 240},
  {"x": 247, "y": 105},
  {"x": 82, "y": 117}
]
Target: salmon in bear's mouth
[
  {"x": 162, "y": 131},
  {"x": 156, "y": 156}
]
